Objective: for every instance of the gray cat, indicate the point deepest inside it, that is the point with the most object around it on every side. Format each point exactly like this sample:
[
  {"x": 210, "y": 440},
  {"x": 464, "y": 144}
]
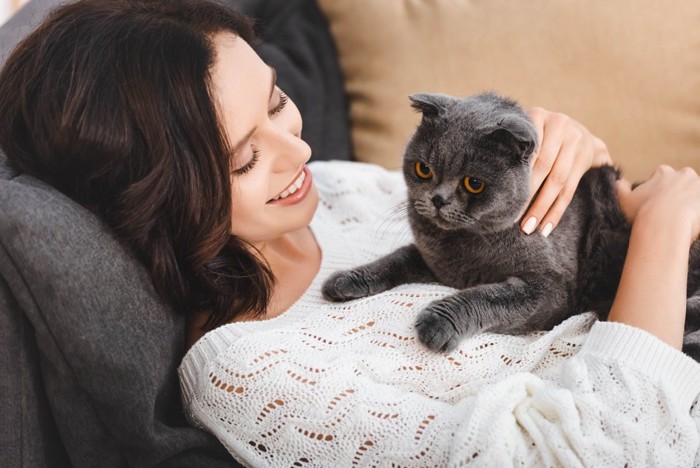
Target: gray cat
[{"x": 467, "y": 171}]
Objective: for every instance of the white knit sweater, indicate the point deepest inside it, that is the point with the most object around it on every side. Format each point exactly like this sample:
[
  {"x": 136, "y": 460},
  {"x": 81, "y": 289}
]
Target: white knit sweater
[{"x": 343, "y": 384}]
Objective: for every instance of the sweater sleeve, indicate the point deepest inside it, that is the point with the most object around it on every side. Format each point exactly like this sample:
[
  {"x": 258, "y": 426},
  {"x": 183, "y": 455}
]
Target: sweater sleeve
[{"x": 623, "y": 400}]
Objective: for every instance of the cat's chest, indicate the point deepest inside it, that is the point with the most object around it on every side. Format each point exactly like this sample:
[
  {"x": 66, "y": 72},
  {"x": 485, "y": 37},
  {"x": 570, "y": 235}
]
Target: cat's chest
[{"x": 461, "y": 259}]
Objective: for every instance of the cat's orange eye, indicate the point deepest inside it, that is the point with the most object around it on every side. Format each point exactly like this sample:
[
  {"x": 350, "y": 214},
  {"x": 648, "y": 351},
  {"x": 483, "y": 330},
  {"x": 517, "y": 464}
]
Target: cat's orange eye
[
  {"x": 474, "y": 185},
  {"x": 423, "y": 170}
]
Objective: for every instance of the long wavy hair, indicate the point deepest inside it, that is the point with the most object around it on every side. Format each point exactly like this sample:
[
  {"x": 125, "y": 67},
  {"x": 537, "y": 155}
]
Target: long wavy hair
[{"x": 110, "y": 101}]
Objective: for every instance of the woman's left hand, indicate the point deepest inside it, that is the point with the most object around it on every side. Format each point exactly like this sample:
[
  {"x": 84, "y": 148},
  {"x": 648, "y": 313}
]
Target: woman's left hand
[{"x": 566, "y": 151}]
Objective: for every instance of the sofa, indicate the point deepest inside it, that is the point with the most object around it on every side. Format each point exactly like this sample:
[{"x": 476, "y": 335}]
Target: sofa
[{"x": 89, "y": 352}]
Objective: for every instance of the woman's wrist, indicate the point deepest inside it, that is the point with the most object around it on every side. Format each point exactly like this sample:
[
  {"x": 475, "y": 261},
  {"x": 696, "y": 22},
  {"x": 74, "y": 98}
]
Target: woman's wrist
[
  {"x": 652, "y": 290},
  {"x": 668, "y": 224}
]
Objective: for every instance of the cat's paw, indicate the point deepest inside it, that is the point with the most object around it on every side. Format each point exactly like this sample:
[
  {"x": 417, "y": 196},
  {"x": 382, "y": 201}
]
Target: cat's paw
[
  {"x": 345, "y": 285},
  {"x": 436, "y": 329}
]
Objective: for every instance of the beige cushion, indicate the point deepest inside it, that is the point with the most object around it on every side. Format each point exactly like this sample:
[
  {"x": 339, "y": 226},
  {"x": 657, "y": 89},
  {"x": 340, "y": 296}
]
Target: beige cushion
[{"x": 627, "y": 69}]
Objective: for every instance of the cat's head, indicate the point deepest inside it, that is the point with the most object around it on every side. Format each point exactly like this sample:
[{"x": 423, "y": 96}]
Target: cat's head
[{"x": 467, "y": 164}]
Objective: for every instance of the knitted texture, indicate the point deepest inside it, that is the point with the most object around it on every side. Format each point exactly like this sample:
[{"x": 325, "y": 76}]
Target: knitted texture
[{"x": 343, "y": 384}]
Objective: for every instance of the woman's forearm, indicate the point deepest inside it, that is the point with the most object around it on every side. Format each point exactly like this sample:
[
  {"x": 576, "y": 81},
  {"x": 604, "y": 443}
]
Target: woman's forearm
[{"x": 652, "y": 290}]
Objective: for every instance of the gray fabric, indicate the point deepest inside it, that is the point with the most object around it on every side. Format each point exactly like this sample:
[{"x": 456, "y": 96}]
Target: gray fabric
[
  {"x": 89, "y": 353},
  {"x": 108, "y": 349},
  {"x": 21, "y": 23},
  {"x": 29, "y": 435}
]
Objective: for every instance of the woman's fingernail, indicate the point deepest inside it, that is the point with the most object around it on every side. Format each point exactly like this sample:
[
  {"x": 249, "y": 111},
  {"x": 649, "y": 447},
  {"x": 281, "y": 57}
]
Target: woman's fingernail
[
  {"x": 530, "y": 225},
  {"x": 547, "y": 230}
]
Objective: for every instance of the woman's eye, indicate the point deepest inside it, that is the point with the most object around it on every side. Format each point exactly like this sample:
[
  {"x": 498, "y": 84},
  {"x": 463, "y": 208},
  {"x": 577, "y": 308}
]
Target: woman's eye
[
  {"x": 423, "y": 171},
  {"x": 281, "y": 103},
  {"x": 249, "y": 165},
  {"x": 474, "y": 185}
]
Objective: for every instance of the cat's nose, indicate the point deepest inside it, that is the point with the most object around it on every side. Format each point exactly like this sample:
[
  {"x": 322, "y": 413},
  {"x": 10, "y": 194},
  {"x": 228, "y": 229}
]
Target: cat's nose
[{"x": 438, "y": 201}]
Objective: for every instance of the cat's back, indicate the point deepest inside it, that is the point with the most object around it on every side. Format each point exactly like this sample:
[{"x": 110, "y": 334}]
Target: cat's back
[
  {"x": 604, "y": 241},
  {"x": 597, "y": 189},
  {"x": 593, "y": 208}
]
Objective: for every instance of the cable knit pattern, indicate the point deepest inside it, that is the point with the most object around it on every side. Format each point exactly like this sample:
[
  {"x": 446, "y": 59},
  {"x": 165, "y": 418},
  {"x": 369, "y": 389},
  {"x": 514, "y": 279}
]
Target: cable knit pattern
[{"x": 345, "y": 384}]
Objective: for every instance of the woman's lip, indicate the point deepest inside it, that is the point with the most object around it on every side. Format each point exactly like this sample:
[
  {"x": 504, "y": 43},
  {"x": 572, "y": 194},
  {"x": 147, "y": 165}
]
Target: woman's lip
[
  {"x": 294, "y": 179},
  {"x": 297, "y": 196}
]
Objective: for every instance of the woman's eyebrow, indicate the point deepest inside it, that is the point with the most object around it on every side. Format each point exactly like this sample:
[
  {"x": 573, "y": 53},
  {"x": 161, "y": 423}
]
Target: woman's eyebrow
[{"x": 242, "y": 141}]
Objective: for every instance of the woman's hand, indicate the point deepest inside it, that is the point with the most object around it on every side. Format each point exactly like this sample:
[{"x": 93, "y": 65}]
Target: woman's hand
[
  {"x": 567, "y": 150},
  {"x": 665, "y": 216},
  {"x": 668, "y": 197}
]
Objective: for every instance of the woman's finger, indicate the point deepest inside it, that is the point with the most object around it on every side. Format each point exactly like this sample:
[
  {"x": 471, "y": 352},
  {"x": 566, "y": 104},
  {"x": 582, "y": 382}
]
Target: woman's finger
[
  {"x": 580, "y": 151},
  {"x": 567, "y": 150},
  {"x": 538, "y": 116},
  {"x": 623, "y": 188},
  {"x": 601, "y": 154},
  {"x": 550, "y": 147},
  {"x": 551, "y": 220},
  {"x": 556, "y": 188}
]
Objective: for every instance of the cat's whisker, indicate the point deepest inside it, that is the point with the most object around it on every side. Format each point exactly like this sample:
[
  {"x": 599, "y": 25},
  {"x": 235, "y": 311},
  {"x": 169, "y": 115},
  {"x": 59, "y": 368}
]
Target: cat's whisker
[
  {"x": 403, "y": 232},
  {"x": 403, "y": 236},
  {"x": 396, "y": 212},
  {"x": 400, "y": 210}
]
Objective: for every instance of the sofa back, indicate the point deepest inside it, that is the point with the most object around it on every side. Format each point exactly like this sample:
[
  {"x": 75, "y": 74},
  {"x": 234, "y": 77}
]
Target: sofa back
[{"x": 629, "y": 70}]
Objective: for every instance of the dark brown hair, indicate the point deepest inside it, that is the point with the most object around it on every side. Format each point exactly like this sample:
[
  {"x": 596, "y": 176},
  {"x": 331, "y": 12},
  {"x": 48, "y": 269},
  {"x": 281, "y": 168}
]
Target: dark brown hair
[{"x": 109, "y": 101}]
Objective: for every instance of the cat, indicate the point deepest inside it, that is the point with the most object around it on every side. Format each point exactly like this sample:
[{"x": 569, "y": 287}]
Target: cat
[{"x": 467, "y": 169}]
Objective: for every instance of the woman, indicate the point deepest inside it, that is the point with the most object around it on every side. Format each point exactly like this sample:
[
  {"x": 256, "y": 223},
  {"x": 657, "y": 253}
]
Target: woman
[{"x": 193, "y": 156}]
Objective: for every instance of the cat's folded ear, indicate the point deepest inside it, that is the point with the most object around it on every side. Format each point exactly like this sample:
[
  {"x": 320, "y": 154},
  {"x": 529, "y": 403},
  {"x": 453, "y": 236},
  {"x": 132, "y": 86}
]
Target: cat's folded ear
[
  {"x": 431, "y": 104},
  {"x": 515, "y": 132}
]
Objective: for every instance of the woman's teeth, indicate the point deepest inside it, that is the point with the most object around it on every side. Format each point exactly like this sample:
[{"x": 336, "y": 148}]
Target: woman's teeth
[{"x": 296, "y": 185}]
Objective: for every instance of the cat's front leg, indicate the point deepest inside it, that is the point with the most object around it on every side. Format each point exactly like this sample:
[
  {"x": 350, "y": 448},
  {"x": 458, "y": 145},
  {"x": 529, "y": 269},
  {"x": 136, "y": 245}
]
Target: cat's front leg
[
  {"x": 404, "y": 265},
  {"x": 506, "y": 306}
]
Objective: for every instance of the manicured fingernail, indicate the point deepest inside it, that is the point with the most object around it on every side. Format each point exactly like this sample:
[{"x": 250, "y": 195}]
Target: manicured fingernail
[
  {"x": 547, "y": 230},
  {"x": 530, "y": 225}
]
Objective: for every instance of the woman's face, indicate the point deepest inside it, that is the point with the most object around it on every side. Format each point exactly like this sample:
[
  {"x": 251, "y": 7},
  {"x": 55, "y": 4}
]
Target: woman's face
[{"x": 272, "y": 190}]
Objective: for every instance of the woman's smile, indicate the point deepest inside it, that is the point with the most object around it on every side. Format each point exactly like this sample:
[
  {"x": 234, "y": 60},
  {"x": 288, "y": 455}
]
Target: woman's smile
[{"x": 296, "y": 191}]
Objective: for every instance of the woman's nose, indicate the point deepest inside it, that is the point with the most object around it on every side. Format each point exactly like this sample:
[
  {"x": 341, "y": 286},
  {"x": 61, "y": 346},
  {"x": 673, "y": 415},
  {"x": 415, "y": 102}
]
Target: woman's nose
[
  {"x": 290, "y": 150},
  {"x": 293, "y": 119},
  {"x": 299, "y": 150},
  {"x": 295, "y": 149}
]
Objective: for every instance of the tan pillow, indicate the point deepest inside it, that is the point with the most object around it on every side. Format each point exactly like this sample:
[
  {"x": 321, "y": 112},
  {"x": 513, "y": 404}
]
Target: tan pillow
[{"x": 629, "y": 70}]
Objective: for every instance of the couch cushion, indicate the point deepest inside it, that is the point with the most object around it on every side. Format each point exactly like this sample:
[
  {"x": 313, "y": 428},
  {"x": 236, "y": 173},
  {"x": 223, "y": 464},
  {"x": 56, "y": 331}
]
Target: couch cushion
[
  {"x": 21, "y": 23},
  {"x": 29, "y": 432},
  {"x": 108, "y": 347},
  {"x": 628, "y": 69},
  {"x": 90, "y": 353}
]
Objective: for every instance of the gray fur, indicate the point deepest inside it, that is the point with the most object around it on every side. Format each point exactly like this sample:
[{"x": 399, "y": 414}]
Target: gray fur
[{"x": 509, "y": 282}]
